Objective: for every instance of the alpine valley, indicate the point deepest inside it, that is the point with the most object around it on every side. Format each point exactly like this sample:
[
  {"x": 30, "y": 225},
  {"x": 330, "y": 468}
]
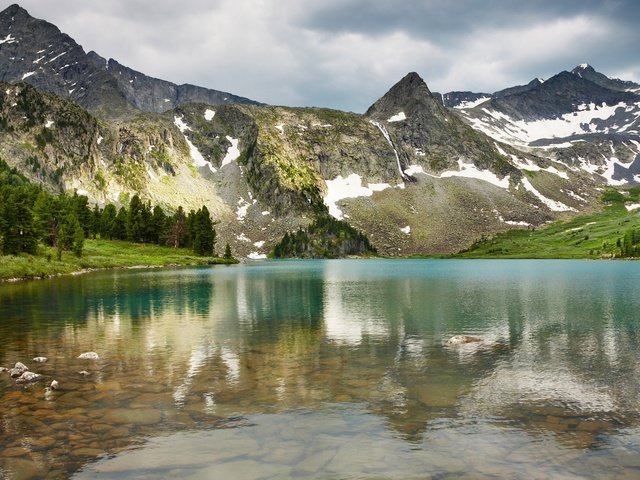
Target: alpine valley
[{"x": 419, "y": 172}]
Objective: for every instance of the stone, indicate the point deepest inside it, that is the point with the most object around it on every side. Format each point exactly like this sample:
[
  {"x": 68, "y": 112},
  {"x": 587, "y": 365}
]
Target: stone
[
  {"x": 84, "y": 373},
  {"x": 29, "y": 377},
  {"x": 54, "y": 385},
  {"x": 20, "y": 366},
  {"x": 138, "y": 416},
  {"x": 15, "y": 452},
  {"x": 3, "y": 369},
  {"x": 40, "y": 359},
  {"x": 463, "y": 339},
  {"x": 86, "y": 452},
  {"x": 43, "y": 442},
  {"x": 89, "y": 356}
]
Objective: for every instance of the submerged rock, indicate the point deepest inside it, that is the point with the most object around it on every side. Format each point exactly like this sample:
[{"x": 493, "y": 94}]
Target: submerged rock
[
  {"x": 3, "y": 369},
  {"x": 40, "y": 359},
  {"x": 89, "y": 356},
  {"x": 29, "y": 377},
  {"x": 84, "y": 373},
  {"x": 54, "y": 385},
  {"x": 464, "y": 339}
]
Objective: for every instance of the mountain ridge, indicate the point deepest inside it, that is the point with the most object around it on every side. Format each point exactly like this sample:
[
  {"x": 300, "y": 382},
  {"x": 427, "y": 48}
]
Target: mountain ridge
[{"x": 37, "y": 52}]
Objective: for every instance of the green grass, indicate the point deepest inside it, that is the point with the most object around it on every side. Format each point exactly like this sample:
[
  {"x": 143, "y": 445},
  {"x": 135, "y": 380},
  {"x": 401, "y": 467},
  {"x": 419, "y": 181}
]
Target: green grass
[
  {"x": 100, "y": 254},
  {"x": 585, "y": 236}
]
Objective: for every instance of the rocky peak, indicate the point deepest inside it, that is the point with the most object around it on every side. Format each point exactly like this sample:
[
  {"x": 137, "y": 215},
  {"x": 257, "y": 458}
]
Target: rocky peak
[
  {"x": 587, "y": 72},
  {"x": 409, "y": 95}
]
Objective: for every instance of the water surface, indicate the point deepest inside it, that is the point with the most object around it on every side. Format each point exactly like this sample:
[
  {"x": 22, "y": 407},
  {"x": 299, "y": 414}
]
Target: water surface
[{"x": 327, "y": 369}]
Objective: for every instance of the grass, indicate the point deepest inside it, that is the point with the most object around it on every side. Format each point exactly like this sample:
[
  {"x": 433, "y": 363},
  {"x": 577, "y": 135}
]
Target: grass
[
  {"x": 585, "y": 236},
  {"x": 100, "y": 254}
]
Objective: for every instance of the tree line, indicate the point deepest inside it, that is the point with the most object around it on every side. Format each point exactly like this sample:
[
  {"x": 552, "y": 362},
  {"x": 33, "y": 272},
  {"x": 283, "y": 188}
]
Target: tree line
[{"x": 29, "y": 215}]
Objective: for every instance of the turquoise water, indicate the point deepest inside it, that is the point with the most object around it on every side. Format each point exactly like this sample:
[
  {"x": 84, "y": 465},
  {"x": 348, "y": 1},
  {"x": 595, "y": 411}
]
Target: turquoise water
[{"x": 327, "y": 369}]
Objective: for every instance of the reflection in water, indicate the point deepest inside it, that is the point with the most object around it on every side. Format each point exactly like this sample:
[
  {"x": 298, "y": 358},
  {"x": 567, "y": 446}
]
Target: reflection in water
[{"x": 273, "y": 350}]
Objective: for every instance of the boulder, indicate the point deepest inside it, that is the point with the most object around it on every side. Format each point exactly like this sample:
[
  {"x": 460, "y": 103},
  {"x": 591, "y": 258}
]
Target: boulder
[
  {"x": 28, "y": 377},
  {"x": 464, "y": 339},
  {"x": 18, "y": 370},
  {"x": 89, "y": 356}
]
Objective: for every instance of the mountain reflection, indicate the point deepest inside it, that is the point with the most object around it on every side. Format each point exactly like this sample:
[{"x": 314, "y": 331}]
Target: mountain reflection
[{"x": 199, "y": 345}]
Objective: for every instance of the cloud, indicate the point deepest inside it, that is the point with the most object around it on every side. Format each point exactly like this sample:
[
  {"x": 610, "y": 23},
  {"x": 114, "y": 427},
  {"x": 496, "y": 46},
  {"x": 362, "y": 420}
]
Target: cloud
[{"x": 346, "y": 53}]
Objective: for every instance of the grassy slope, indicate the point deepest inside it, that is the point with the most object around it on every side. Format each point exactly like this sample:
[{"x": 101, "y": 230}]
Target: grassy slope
[
  {"x": 584, "y": 236},
  {"x": 100, "y": 254}
]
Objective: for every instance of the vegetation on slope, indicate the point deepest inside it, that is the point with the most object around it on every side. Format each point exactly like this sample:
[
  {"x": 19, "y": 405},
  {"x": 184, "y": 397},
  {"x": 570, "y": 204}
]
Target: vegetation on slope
[
  {"x": 326, "y": 237},
  {"x": 612, "y": 233}
]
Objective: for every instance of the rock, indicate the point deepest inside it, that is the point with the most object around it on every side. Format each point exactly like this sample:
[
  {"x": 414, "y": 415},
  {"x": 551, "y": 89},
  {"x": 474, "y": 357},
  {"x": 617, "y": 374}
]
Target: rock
[
  {"x": 28, "y": 377},
  {"x": 40, "y": 359},
  {"x": 463, "y": 339},
  {"x": 84, "y": 373},
  {"x": 138, "y": 416},
  {"x": 3, "y": 369},
  {"x": 89, "y": 356},
  {"x": 18, "y": 370},
  {"x": 15, "y": 452},
  {"x": 54, "y": 385}
]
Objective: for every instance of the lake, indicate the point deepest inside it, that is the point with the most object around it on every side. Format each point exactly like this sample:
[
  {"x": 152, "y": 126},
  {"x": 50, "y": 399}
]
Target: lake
[{"x": 326, "y": 369}]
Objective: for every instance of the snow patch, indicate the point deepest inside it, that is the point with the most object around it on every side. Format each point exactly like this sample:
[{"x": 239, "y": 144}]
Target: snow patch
[
  {"x": 8, "y": 39},
  {"x": 265, "y": 213},
  {"x": 349, "y": 187},
  {"x": 243, "y": 238},
  {"x": 385, "y": 133},
  {"x": 469, "y": 170},
  {"x": 196, "y": 156},
  {"x": 208, "y": 114},
  {"x": 632, "y": 206},
  {"x": 27, "y": 75},
  {"x": 472, "y": 104},
  {"x": 553, "y": 205},
  {"x": 100, "y": 138},
  {"x": 406, "y": 229},
  {"x": 48, "y": 124},
  {"x": 257, "y": 256},
  {"x": 413, "y": 169},
  {"x": 399, "y": 117},
  {"x": 233, "y": 153},
  {"x": 280, "y": 128},
  {"x": 243, "y": 206},
  {"x": 259, "y": 244}
]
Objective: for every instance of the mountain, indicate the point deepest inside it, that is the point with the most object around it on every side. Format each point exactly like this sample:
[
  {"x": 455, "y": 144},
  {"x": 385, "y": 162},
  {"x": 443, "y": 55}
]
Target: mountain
[
  {"x": 36, "y": 52},
  {"x": 581, "y": 119},
  {"x": 414, "y": 175}
]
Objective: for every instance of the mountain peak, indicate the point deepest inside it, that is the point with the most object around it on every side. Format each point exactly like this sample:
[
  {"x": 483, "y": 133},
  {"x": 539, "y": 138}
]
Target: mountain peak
[
  {"x": 582, "y": 68},
  {"x": 411, "y": 90}
]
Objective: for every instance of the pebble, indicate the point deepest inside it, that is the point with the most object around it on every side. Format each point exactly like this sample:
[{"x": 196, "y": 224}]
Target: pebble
[
  {"x": 40, "y": 359},
  {"x": 84, "y": 373}
]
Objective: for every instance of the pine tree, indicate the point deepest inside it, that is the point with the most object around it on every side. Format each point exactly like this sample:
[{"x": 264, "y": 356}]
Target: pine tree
[
  {"x": 177, "y": 228},
  {"x": 107, "y": 219},
  {"x": 204, "y": 235},
  {"x": 158, "y": 225},
  {"x": 119, "y": 227},
  {"x": 227, "y": 252},
  {"x": 135, "y": 225}
]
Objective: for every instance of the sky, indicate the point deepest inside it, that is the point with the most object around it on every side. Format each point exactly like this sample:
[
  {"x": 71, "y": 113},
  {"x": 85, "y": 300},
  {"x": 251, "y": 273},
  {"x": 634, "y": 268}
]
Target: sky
[{"x": 345, "y": 54}]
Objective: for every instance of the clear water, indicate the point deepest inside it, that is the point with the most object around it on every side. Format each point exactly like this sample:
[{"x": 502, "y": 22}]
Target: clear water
[{"x": 327, "y": 369}]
